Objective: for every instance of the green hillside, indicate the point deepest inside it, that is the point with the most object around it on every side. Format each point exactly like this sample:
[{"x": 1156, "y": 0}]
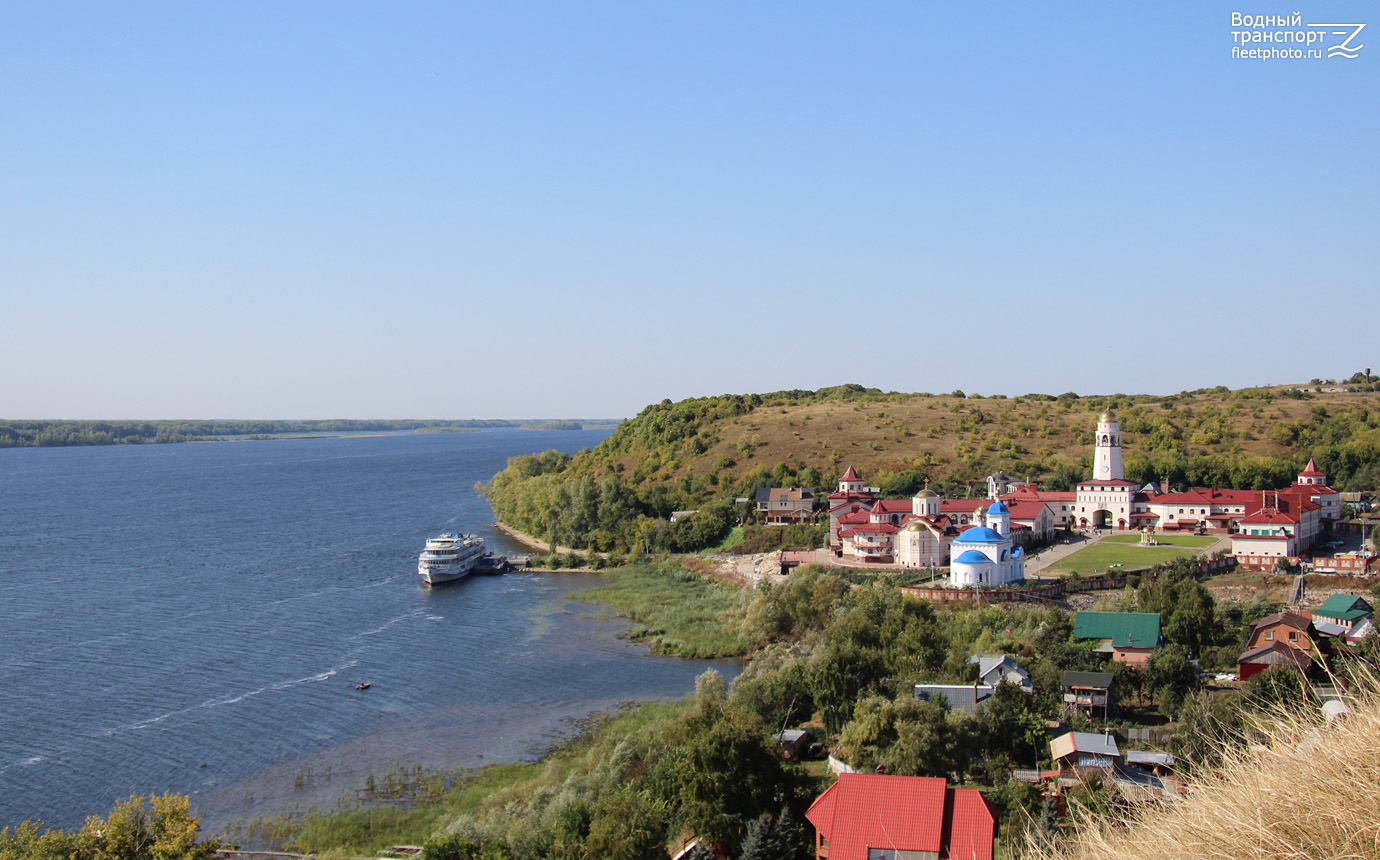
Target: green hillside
[{"x": 702, "y": 453}]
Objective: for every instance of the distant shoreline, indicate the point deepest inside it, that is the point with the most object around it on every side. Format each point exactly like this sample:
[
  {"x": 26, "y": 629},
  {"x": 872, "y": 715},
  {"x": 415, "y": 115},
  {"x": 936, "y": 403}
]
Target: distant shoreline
[{"x": 55, "y": 433}]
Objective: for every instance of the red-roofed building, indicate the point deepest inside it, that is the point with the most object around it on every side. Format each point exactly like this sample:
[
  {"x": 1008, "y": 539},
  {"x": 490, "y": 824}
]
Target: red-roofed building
[
  {"x": 1285, "y": 524},
  {"x": 903, "y": 532},
  {"x": 879, "y": 817},
  {"x": 1058, "y": 509}
]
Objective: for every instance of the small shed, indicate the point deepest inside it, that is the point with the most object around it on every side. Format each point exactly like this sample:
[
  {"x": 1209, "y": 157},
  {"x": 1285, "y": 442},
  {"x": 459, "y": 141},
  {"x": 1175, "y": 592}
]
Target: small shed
[
  {"x": 795, "y": 743},
  {"x": 1274, "y": 653}
]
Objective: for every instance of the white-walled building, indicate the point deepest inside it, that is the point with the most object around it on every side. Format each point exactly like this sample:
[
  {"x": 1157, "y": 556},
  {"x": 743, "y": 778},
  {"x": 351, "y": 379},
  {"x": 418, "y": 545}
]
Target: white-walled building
[
  {"x": 906, "y": 533},
  {"x": 986, "y": 555}
]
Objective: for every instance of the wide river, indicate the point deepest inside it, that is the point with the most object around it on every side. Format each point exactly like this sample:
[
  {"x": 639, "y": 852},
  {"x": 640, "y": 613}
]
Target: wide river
[{"x": 195, "y": 618}]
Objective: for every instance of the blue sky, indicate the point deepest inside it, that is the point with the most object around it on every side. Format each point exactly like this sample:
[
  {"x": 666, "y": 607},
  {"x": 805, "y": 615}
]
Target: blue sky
[{"x": 484, "y": 210}]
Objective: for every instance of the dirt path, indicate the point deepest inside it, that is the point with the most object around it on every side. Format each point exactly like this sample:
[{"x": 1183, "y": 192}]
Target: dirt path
[{"x": 540, "y": 545}]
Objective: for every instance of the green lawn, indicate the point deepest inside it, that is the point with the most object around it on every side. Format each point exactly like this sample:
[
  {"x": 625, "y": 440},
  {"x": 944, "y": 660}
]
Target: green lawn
[
  {"x": 1097, "y": 558},
  {"x": 734, "y": 537},
  {"x": 1165, "y": 540}
]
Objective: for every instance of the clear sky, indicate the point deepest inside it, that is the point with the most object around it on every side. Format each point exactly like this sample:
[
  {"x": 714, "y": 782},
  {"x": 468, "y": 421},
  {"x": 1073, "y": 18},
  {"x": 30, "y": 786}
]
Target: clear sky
[{"x": 363, "y": 209}]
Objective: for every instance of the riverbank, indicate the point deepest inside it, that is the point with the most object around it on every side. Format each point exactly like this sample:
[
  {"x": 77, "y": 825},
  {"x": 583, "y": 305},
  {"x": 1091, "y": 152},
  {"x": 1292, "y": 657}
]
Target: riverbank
[
  {"x": 408, "y": 808},
  {"x": 541, "y": 545}
]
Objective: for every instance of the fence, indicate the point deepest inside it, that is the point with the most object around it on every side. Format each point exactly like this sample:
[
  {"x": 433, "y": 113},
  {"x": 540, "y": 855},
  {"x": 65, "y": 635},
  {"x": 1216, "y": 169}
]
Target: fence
[{"x": 1052, "y": 589}]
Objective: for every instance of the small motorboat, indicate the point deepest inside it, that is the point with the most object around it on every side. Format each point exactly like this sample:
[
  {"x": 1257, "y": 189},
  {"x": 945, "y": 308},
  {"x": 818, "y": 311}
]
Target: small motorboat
[{"x": 362, "y": 686}]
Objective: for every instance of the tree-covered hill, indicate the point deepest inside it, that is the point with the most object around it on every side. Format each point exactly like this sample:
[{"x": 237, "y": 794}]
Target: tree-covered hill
[{"x": 702, "y": 453}]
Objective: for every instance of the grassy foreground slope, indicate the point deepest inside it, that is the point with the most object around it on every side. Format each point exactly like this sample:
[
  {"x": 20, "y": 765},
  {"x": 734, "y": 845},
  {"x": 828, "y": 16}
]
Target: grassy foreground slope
[
  {"x": 702, "y": 453},
  {"x": 1312, "y": 794}
]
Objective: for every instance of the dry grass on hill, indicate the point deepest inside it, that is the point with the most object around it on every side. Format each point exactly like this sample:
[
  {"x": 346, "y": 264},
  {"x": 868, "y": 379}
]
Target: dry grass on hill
[
  {"x": 1315, "y": 794},
  {"x": 942, "y": 433}
]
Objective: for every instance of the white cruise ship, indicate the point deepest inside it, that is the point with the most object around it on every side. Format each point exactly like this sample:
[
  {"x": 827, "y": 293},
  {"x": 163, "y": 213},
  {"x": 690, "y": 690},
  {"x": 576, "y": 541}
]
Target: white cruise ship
[{"x": 449, "y": 557}]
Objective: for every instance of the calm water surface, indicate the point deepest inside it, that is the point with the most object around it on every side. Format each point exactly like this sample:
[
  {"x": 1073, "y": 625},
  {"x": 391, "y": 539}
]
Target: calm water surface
[{"x": 195, "y": 618}]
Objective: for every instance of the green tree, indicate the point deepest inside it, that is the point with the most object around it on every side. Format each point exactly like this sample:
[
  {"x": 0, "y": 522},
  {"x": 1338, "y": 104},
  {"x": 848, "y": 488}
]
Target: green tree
[
  {"x": 29, "y": 841},
  {"x": 1186, "y": 608},
  {"x": 1208, "y": 726},
  {"x": 1013, "y": 724},
  {"x": 770, "y": 839},
  {"x": 627, "y": 826},
  {"x": 160, "y": 827},
  {"x": 1172, "y": 677},
  {"x": 909, "y": 737},
  {"x": 454, "y": 846},
  {"x": 731, "y": 770},
  {"x": 1279, "y": 686}
]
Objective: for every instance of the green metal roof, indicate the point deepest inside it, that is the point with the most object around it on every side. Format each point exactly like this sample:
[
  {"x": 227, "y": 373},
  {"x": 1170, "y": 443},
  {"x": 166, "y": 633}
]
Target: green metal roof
[
  {"x": 1346, "y": 606},
  {"x": 1125, "y": 629}
]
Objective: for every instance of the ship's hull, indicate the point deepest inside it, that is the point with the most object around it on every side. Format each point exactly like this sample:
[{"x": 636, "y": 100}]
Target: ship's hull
[{"x": 438, "y": 576}]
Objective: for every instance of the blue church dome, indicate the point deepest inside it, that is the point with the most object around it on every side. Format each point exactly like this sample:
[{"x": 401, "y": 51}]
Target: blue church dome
[
  {"x": 972, "y": 556},
  {"x": 998, "y": 508},
  {"x": 981, "y": 534}
]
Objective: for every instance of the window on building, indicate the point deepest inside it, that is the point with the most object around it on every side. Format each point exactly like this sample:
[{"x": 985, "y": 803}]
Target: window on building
[{"x": 1269, "y": 635}]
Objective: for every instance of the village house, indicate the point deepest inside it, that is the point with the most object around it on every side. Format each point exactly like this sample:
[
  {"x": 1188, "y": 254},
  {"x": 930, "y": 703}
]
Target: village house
[
  {"x": 960, "y": 697},
  {"x": 1341, "y": 615},
  {"x": 1130, "y": 637},
  {"x": 1077, "y": 754},
  {"x": 880, "y": 817},
  {"x": 781, "y": 506},
  {"x": 994, "y": 669},
  {"x": 1283, "y": 639},
  {"x": 1091, "y": 692},
  {"x": 1291, "y": 628}
]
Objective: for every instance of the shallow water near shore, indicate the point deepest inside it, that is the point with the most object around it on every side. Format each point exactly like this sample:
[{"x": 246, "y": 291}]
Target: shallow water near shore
[{"x": 195, "y": 618}]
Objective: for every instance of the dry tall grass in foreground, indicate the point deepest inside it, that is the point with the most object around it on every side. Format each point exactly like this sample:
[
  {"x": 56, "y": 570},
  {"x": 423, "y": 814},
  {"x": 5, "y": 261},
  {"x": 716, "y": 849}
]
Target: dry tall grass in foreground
[{"x": 1315, "y": 794}]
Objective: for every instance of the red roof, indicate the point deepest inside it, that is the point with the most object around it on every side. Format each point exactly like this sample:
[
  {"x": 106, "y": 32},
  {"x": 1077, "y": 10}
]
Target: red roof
[
  {"x": 1287, "y": 618},
  {"x": 874, "y": 528},
  {"x": 905, "y": 813},
  {"x": 1025, "y": 510},
  {"x": 1311, "y": 470},
  {"x": 850, "y": 475},
  {"x": 849, "y": 497},
  {"x": 963, "y": 505},
  {"x": 1268, "y": 518},
  {"x": 1032, "y": 492},
  {"x": 893, "y": 506},
  {"x": 1277, "y": 653}
]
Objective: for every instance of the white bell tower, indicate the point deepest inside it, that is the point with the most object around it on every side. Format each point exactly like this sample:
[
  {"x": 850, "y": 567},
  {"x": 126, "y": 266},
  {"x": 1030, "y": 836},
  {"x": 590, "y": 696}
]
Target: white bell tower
[{"x": 1107, "y": 453}]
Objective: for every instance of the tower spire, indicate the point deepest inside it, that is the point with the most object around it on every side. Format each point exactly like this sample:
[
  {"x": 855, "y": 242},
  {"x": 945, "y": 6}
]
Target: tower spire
[{"x": 1107, "y": 463}]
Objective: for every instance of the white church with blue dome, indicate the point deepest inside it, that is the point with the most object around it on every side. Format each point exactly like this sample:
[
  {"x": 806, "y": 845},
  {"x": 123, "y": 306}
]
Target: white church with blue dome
[{"x": 985, "y": 554}]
